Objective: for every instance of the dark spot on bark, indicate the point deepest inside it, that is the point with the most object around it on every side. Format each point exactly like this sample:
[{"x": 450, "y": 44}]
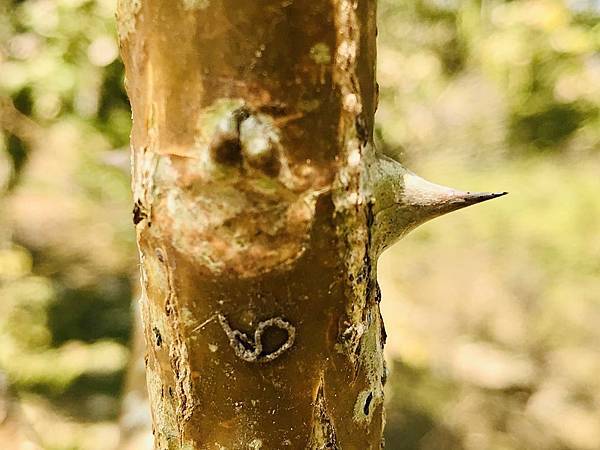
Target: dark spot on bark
[
  {"x": 377, "y": 293},
  {"x": 273, "y": 338},
  {"x": 170, "y": 392},
  {"x": 157, "y": 336},
  {"x": 160, "y": 255},
  {"x": 383, "y": 332},
  {"x": 368, "y": 403},
  {"x": 138, "y": 212},
  {"x": 360, "y": 277},
  {"x": 241, "y": 114},
  {"x": 225, "y": 146},
  {"x": 370, "y": 215},
  {"x": 361, "y": 129},
  {"x": 270, "y": 166},
  {"x": 226, "y": 149}
]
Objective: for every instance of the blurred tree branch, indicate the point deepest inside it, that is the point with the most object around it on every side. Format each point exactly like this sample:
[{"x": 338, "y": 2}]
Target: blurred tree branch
[{"x": 15, "y": 122}]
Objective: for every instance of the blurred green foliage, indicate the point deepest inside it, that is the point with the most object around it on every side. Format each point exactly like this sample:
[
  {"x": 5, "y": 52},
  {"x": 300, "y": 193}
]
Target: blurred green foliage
[
  {"x": 536, "y": 60},
  {"x": 67, "y": 254},
  {"x": 491, "y": 314},
  {"x": 60, "y": 60}
]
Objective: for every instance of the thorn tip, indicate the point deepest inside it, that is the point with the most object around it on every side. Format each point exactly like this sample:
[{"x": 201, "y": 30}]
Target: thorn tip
[{"x": 478, "y": 197}]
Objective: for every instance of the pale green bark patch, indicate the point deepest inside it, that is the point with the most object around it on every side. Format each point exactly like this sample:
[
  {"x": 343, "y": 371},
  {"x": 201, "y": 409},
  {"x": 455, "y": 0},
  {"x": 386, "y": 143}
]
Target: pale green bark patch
[
  {"x": 195, "y": 4},
  {"x": 320, "y": 53}
]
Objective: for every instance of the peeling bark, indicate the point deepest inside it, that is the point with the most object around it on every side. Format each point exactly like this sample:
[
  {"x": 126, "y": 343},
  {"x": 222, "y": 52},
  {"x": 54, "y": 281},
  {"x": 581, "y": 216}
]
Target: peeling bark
[
  {"x": 257, "y": 198},
  {"x": 322, "y": 435}
]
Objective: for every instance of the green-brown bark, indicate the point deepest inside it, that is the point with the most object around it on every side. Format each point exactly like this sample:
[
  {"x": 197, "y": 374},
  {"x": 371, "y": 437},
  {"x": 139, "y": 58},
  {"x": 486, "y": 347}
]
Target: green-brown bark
[{"x": 256, "y": 188}]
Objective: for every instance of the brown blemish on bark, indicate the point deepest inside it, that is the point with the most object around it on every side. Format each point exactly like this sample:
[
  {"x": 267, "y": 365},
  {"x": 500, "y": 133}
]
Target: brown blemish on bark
[
  {"x": 138, "y": 212},
  {"x": 157, "y": 337},
  {"x": 248, "y": 216}
]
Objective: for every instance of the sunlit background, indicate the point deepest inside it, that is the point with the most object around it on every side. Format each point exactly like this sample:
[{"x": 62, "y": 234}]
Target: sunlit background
[{"x": 493, "y": 313}]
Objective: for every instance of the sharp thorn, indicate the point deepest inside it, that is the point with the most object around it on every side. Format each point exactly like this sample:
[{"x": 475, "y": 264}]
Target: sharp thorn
[{"x": 402, "y": 200}]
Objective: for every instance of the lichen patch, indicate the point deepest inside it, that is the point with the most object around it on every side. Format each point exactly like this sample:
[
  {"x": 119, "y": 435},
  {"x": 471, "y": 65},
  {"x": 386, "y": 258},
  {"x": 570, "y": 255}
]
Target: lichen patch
[{"x": 320, "y": 53}]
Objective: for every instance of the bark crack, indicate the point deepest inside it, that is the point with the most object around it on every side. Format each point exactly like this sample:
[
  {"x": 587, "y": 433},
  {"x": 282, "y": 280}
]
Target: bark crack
[
  {"x": 178, "y": 355},
  {"x": 323, "y": 435}
]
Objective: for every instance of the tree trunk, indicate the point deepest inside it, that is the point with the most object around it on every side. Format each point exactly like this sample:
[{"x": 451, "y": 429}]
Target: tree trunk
[{"x": 260, "y": 210}]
